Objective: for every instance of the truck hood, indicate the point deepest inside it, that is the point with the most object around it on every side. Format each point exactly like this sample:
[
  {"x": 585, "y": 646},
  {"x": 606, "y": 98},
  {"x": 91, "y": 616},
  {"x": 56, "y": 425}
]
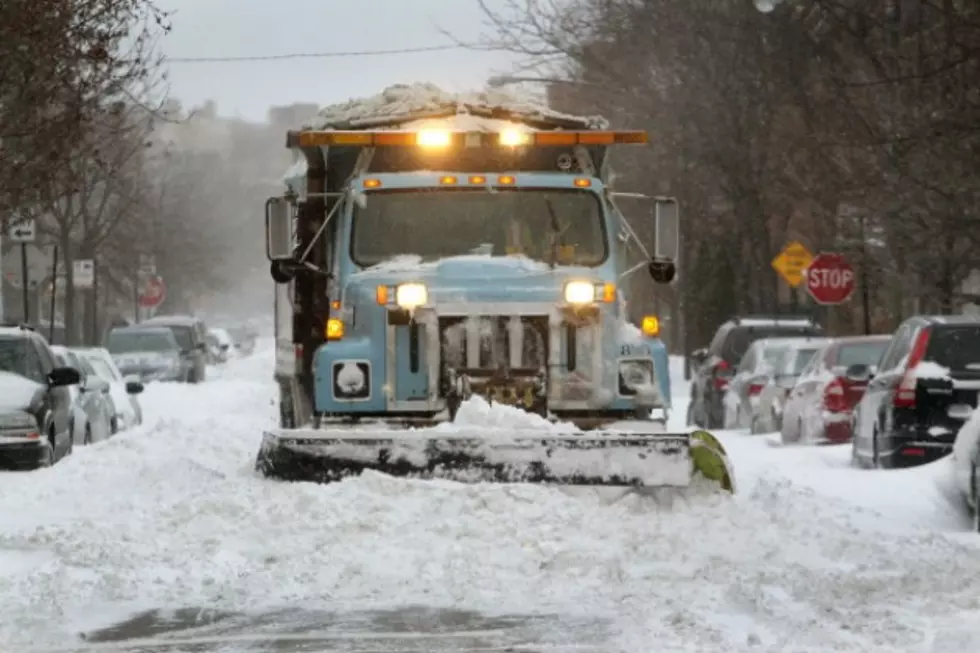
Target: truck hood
[
  {"x": 471, "y": 278},
  {"x": 18, "y": 393}
]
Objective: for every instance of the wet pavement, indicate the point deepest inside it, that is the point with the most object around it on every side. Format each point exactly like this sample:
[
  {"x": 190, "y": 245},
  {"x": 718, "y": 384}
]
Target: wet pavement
[{"x": 196, "y": 630}]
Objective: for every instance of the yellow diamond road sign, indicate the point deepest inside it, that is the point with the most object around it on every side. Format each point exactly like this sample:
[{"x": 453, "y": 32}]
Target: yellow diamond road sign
[{"x": 791, "y": 262}]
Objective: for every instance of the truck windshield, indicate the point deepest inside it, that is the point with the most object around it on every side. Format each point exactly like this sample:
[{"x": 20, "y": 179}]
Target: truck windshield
[{"x": 439, "y": 223}]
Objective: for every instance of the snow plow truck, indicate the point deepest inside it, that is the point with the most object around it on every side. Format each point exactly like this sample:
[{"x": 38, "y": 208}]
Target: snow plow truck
[{"x": 438, "y": 254}]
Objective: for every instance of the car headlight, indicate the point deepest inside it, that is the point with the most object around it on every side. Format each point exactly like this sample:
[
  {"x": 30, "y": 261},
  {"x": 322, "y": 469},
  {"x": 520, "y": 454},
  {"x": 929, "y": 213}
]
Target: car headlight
[
  {"x": 411, "y": 295},
  {"x": 579, "y": 292}
]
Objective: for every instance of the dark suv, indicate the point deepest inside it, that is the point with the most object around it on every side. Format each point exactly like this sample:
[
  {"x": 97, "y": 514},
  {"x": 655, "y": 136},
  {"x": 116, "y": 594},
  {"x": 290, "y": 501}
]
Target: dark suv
[
  {"x": 714, "y": 366},
  {"x": 923, "y": 390},
  {"x": 35, "y": 402}
]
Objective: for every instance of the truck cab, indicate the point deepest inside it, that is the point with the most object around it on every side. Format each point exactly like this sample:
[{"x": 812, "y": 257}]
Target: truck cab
[{"x": 419, "y": 263}]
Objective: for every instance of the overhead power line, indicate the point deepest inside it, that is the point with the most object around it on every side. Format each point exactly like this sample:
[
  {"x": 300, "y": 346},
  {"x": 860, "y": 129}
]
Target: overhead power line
[{"x": 315, "y": 55}]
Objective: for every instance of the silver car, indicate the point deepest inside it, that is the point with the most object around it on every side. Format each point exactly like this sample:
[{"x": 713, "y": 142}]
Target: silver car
[
  {"x": 92, "y": 409},
  {"x": 148, "y": 353}
]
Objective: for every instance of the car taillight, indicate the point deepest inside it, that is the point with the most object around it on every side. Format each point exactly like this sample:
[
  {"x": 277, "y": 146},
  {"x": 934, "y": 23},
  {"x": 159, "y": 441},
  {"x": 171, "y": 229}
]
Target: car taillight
[
  {"x": 721, "y": 373},
  {"x": 905, "y": 392},
  {"x": 835, "y": 396},
  {"x": 755, "y": 389}
]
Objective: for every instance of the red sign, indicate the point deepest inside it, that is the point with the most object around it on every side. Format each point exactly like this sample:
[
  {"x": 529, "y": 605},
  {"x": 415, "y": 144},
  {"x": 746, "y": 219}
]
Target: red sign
[
  {"x": 830, "y": 279},
  {"x": 154, "y": 293}
]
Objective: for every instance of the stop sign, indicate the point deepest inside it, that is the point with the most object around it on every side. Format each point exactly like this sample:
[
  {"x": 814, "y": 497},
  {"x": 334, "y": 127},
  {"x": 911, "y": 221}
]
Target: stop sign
[
  {"x": 154, "y": 293},
  {"x": 830, "y": 279}
]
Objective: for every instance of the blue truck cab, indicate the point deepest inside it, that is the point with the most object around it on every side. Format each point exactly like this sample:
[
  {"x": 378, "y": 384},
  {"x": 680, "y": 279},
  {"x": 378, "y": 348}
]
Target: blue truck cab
[{"x": 416, "y": 268}]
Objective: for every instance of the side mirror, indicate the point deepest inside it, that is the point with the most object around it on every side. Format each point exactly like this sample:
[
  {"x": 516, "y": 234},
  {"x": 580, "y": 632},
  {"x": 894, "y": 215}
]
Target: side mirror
[
  {"x": 699, "y": 355},
  {"x": 63, "y": 376},
  {"x": 858, "y": 373},
  {"x": 663, "y": 264},
  {"x": 278, "y": 229},
  {"x": 134, "y": 387}
]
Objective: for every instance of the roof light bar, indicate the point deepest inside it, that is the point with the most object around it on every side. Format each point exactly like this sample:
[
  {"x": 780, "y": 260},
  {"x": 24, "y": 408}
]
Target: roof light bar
[{"x": 435, "y": 138}]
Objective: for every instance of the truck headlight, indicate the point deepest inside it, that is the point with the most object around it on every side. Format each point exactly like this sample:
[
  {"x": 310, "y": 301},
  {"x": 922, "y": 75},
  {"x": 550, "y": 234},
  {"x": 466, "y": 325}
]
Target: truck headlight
[
  {"x": 579, "y": 292},
  {"x": 411, "y": 295}
]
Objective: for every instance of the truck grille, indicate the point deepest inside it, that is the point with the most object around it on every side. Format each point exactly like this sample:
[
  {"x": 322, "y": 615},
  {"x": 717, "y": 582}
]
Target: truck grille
[{"x": 497, "y": 338}]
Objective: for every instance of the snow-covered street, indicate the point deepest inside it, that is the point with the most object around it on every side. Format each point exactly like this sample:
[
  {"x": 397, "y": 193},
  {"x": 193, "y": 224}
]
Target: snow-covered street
[{"x": 811, "y": 555}]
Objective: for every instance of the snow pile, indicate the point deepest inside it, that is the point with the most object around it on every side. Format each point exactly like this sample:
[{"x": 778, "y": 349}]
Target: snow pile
[
  {"x": 810, "y": 556},
  {"x": 402, "y": 102},
  {"x": 477, "y": 413},
  {"x": 930, "y": 370}
]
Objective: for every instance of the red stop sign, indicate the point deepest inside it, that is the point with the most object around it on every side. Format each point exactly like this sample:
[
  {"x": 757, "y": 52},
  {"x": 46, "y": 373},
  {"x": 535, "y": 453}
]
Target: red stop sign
[{"x": 830, "y": 279}]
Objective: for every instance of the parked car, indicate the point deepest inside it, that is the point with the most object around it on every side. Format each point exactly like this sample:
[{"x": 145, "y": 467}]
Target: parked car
[
  {"x": 767, "y": 411},
  {"x": 148, "y": 353},
  {"x": 35, "y": 403},
  {"x": 924, "y": 389},
  {"x": 966, "y": 465},
  {"x": 759, "y": 364},
  {"x": 715, "y": 365},
  {"x": 125, "y": 403},
  {"x": 221, "y": 344},
  {"x": 819, "y": 408},
  {"x": 243, "y": 336},
  {"x": 192, "y": 336},
  {"x": 91, "y": 405}
]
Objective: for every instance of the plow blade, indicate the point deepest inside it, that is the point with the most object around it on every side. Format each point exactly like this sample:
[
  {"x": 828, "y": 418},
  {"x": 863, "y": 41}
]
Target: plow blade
[{"x": 595, "y": 458}]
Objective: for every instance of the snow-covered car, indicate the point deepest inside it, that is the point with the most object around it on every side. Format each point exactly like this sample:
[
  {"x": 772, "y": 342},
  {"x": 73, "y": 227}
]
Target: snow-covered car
[
  {"x": 820, "y": 406},
  {"x": 757, "y": 366},
  {"x": 924, "y": 390},
  {"x": 35, "y": 404},
  {"x": 91, "y": 405},
  {"x": 966, "y": 465},
  {"x": 221, "y": 344},
  {"x": 767, "y": 411},
  {"x": 148, "y": 353},
  {"x": 243, "y": 337},
  {"x": 126, "y": 405}
]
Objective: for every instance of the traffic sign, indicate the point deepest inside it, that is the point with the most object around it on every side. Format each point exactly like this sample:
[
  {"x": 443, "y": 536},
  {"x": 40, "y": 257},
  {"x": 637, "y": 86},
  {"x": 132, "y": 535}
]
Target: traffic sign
[
  {"x": 22, "y": 231},
  {"x": 148, "y": 264},
  {"x": 791, "y": 262},
  {"x": 830, "y": 279},
  {"x": 154, "y": 292},
  {"x": 38, "y": 265},
  {"x": 83, "y": 273}
]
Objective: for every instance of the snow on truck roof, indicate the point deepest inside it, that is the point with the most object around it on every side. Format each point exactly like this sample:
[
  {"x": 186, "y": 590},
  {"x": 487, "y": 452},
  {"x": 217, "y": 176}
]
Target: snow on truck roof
[{"x": 403, "y": 104}]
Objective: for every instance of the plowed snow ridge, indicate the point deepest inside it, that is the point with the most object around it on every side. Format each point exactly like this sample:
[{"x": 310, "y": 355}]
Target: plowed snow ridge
[{"x": 172, "y": 515}]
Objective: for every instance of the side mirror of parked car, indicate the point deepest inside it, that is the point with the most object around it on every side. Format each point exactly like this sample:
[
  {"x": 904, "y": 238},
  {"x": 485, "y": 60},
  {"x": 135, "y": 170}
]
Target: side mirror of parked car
[
  {"x": 63, "y": 376},
  {"x": 134, "y": 387}
]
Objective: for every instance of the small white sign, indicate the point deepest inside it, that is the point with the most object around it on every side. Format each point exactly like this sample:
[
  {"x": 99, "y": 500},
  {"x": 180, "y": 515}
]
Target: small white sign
[
  {"x": 22, "y": 231},
  {"x": 84, "y": 273},
  {"x": 148, "y": 264}
]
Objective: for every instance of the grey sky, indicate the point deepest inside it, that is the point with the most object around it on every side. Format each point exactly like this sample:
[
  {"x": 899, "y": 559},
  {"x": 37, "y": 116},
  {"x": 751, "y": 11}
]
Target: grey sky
[{"x": 209, "y": 28}]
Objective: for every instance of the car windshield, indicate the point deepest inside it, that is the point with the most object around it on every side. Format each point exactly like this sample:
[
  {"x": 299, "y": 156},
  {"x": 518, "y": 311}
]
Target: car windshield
[
  {"x": 801, "y": 360},
  {"x": 740, "y": 339},
  {"x": 17, "y": 356},
  {"x": 102, "y": 369},
  {"x": 184, "y": 335},
  {"x": 120, "y": 342},
  {"x": 435, "y": 224},
  {"x": 865, "y": 353},
  {"x": 956, "y": 347}
]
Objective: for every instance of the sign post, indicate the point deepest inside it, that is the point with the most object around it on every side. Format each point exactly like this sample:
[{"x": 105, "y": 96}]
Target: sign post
[
  {"x": 23, "y": 233},
  {"x": 791, "y": 262},
  {"x": 830, "y": 279}
]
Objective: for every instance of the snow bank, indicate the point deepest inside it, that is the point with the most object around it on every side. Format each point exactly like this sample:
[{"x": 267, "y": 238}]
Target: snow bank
[
  {"x": 171, "y": 515},
  {"x": 406, "y": 102},
  {"x": 477, "y": 412}
]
